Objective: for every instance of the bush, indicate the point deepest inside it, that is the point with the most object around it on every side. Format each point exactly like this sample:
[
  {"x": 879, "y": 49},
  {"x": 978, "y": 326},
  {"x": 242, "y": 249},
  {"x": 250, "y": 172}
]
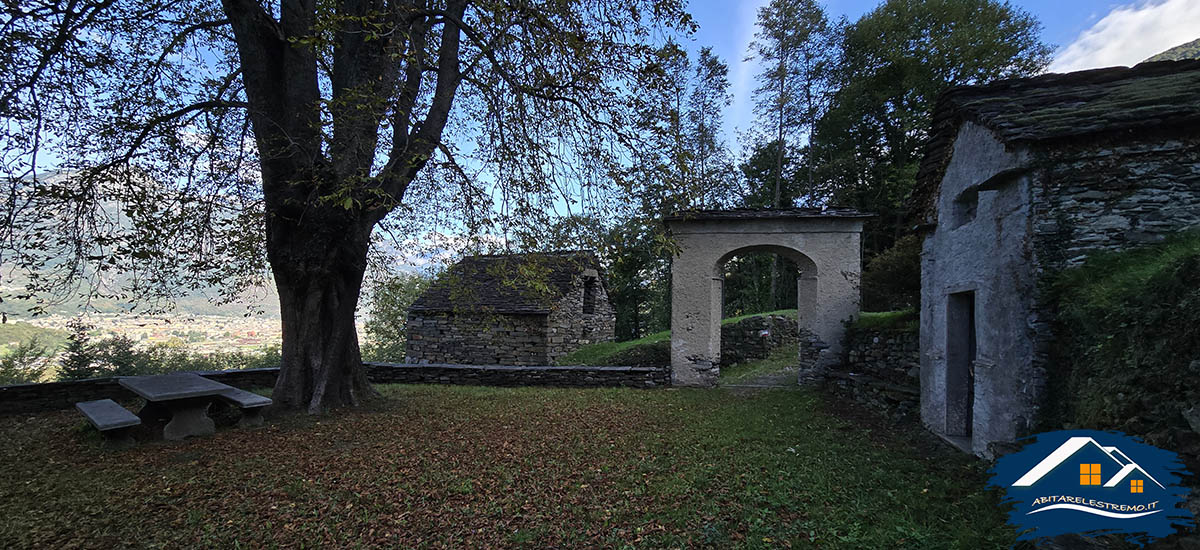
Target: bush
[
  {"x": 387, "y": 321},
  {"x": 892, "y": 279}
]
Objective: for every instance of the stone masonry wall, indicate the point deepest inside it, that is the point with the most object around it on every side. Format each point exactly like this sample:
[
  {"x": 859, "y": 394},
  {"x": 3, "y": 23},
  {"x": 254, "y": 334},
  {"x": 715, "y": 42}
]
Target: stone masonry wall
[
  {"x": 755, "y": 337},
  {"x": 476, "y": 339},
  {"x": 1101, "y": 196},
  {"x": 29, "y": 398},
  {"x": 569, "y": 328},
  {"x": 890, "y": 355},
  {"x": 881, "y": 370},
  {"x": 470, "y": 375}
]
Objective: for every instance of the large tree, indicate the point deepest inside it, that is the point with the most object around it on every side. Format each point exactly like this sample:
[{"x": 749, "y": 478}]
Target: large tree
[
  {"x": 192, "y": 136},
  {"x": 894, "y": 62},
  {"x": 794, "y": 48},
  {"x": 712, "y": 168}
]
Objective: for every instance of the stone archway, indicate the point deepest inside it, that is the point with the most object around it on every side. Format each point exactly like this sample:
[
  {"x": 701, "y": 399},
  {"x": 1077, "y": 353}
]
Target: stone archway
[{"x": 825, "y": 244}]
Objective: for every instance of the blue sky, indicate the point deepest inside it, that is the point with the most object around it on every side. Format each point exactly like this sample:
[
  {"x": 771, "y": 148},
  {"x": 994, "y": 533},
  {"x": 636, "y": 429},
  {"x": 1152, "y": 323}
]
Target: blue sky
[{"x": 1086, "y": 34}]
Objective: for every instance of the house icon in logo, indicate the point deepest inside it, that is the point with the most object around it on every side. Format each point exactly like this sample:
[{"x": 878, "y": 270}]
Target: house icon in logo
[
  {"x": 1092, "y": 473},
  {"x": 1087, "y": 481}
]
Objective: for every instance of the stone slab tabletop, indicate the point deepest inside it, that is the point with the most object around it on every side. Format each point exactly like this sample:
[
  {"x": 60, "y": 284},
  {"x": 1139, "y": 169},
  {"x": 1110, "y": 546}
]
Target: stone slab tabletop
[{"x": 167, "y": 387}]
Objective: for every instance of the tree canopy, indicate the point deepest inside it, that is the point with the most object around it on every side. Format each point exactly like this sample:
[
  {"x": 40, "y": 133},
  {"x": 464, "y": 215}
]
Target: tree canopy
[
  {"x": 894, "y": 62},
  {"x": 199, "y": 143}
]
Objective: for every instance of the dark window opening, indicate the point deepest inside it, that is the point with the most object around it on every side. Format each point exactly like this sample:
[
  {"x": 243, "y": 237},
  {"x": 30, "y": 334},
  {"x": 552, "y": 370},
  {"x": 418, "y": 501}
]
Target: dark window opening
[
  {"x": 589, "y": 295},
  {"x": 964, "y": 208},
  {"x": 960, "y": 362}
]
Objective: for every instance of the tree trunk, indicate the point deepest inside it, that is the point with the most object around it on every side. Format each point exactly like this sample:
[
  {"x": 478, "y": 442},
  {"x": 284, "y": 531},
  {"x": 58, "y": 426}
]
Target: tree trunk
[{"x": 319, "y": 260}]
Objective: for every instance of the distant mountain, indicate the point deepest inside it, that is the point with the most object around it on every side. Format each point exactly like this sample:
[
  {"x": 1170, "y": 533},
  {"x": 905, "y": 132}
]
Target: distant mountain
[
  {"x": 1191, "y": 50},
  {"x": 14, "y": 332},
  {"x": 196, "y": 302},
  {"x": 263, "y": 300}
]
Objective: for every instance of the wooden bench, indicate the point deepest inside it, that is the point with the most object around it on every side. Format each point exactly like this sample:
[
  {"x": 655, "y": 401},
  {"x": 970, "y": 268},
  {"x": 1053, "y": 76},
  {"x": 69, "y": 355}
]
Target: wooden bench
[
  {"x": 250, "y": 403},
  {"x": 112, "y": 420}
]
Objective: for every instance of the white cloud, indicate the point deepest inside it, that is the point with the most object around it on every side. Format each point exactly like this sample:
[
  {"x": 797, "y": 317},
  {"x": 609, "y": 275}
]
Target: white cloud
[{"x": 1131, "y": 33}]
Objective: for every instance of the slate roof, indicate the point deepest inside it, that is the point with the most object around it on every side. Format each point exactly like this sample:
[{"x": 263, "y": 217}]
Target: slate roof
[
  {"x": 766, "y": 213},
  {"x": 1055, "y": 107},
  {"x": 506, "y": 283}
]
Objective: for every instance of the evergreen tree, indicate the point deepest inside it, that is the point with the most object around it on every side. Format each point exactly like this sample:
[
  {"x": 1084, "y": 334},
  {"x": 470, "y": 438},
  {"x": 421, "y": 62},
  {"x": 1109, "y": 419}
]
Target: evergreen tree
[{"x": 79, "y": 360}]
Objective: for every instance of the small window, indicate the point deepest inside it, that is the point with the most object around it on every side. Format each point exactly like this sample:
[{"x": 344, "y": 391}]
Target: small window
[
  {"x": 1089, "y": 474},
  {"x": 964, "y": 207},
  {"x": 589, "y": 295},
  {"x": 1135, "y": 486}
]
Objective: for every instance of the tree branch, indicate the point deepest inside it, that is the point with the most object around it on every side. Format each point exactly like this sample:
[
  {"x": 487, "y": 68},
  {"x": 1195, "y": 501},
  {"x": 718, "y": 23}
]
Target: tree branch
[{"x": 162, "y": 119}]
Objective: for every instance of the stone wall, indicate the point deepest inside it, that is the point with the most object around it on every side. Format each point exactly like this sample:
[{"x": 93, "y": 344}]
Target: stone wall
[
  {"x": 471, "y": 375},
  {"x": 881, "y": 370},
  {"x": 890, "y": 355},
  {"x": 754, "y": 338},
  {"x": 27, "y": 398},
  {"x": 1113, "y": 195},
  {"x": 476, "y": 338},
  {"x": 569, "y": 327},
  {"x": 1104, "y": 196},
  {"x": 63, "y": 395}
]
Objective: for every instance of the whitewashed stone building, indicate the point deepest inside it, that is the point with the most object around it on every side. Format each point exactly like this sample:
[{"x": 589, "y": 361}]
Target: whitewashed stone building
[
  {"x": 518, "y": 309},
  {"x": 1021, "y": 179}
]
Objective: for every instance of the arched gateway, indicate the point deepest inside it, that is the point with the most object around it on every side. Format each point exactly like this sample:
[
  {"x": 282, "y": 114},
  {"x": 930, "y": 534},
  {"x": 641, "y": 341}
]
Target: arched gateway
[{"x": 824, "y": 244}]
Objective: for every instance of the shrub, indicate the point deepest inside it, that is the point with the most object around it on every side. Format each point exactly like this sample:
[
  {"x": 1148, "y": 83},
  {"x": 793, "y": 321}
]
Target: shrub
[
  {"x": 387, "y": 321},
  {"x": 892, "y": 279}
]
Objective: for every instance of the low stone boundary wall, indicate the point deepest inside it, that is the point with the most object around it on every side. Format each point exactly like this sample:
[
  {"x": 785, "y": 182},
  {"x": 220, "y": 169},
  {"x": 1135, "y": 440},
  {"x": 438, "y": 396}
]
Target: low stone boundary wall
[
  {"x": 881, "y": 369},
  {"x": 475, "y": 375},
  {"x": 26, "y": 398},
  {"x": 756, "y": 337},
  {"x": 891, "y": 355}
]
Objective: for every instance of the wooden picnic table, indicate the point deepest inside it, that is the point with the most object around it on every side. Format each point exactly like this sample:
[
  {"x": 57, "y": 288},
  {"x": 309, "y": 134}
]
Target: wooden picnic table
[{"x": 180, "y": 400}]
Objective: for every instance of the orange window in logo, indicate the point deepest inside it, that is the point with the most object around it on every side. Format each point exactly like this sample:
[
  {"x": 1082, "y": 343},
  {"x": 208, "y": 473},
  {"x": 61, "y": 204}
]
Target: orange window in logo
[
  {"x": 1135, "y": 486},
  {"x": 1089, "y": 474}
]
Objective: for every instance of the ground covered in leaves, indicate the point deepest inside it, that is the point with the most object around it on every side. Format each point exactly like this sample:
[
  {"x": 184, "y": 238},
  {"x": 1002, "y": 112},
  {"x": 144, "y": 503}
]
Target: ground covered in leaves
[{"x": 460, "y": 467}]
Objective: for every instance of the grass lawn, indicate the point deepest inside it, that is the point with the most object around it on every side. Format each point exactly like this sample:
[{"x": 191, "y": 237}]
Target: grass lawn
[
  {"x": 781, "y": 359},
  {"x": 598, "y": 353},
  {"x": 462, "y": 467},
  {"x": 903, "y": 320}
]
